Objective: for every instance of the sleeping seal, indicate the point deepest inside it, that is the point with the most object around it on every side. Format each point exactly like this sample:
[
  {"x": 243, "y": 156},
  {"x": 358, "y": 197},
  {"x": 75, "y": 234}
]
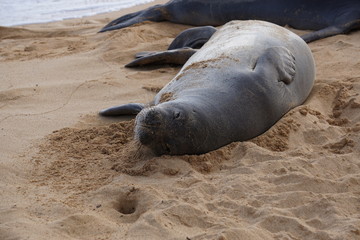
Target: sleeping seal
[
  {"x": 241, "y": 82},
  {"x": 326, "y": 17}
]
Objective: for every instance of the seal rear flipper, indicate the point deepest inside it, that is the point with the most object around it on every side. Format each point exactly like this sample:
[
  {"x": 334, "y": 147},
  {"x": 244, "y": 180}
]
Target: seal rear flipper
[
  {"x": 279, "y": 59},
  {"x": 331, "y": 31},
  {"x": 126, "y": 109},
  {"x": 193, "y": 37},
  {"x": 155, "y": 14},
  {"x": 144, "y": 54},
  {"x": 176, "y": 56}
]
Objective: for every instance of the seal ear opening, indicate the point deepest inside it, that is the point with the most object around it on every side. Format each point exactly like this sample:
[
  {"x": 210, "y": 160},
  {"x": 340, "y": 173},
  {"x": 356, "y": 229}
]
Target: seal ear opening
[{"x": 280, "y": 60}]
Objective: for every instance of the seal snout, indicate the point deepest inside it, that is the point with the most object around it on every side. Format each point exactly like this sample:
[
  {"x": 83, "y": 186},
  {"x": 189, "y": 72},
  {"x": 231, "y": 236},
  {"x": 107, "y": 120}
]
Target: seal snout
[
  {"x": 147, "y": 122},
  {"x": 150, "y": 118}
]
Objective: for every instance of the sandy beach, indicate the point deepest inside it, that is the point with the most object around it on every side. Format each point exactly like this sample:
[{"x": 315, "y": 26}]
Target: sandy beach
[{"x": 66, "y": 173}]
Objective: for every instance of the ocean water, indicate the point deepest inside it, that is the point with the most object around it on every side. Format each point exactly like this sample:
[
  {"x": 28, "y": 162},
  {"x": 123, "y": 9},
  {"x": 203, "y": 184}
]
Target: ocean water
[{"x": 19, "y": 12}]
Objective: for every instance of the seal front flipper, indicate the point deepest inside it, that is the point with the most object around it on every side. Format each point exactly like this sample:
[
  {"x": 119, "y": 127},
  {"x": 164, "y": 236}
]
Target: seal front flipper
[
  {"x": 193, "y": 37},
  {"x": 279, "y": 59},
  {"x": 156, "y": 14},
  {"x": 176, "y": 56},
  {"x": 126, "y": 109}
]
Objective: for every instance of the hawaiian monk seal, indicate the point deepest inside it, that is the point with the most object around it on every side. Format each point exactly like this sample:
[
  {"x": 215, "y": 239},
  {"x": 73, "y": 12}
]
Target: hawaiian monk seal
[
  {"x": 243, "y": 80},
  {"x": 326, "y": 17}
]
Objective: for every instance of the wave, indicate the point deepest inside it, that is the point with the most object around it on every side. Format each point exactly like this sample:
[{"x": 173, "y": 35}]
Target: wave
[{"x": 21, "y": 12}]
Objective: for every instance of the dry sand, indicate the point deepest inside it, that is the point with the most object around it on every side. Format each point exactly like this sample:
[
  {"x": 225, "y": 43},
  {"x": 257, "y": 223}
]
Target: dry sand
[{"x": 66, "y": 173}]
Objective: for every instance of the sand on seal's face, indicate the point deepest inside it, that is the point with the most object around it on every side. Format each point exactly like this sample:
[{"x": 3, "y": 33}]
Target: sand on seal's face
[{"x": 65, "y": 173}]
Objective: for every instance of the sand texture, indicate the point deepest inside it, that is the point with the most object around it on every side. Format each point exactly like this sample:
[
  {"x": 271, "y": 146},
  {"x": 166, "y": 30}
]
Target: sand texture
[{"x": 66, "y": 173}]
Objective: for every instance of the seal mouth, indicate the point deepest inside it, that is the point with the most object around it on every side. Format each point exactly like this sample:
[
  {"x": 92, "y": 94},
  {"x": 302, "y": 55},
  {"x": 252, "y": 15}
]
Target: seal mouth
[
  {"x": 145, "y": 134},
  {"x": 165, "y": 148}
]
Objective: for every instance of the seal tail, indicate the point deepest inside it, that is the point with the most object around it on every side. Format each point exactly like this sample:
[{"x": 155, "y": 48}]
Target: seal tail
[
  {"x": 156, "y": 14},
  {"x": 121, "y": 110}
]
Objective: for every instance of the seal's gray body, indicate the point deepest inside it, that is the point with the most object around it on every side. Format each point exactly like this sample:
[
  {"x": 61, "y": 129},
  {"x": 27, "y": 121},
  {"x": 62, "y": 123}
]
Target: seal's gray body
[{"x": 243, "y": 80}]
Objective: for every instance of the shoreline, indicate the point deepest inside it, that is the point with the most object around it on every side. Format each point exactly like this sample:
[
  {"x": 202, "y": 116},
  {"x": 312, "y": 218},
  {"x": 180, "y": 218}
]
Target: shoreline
[
  {"x": 85, "y": 14},
  {"x": 106, "y": 15}
]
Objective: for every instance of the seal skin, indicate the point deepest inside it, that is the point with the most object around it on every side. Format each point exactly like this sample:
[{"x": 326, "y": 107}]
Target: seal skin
[
  {"x": 174, "y": 56},
  {"x": 193, "y": 38},
  {"x": 326, "y": 17},
  {"x": 241, "y": 82}
]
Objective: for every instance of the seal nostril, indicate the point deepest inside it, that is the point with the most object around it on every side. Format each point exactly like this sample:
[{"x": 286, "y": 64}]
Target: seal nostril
[{"x": 152, "y": 117}]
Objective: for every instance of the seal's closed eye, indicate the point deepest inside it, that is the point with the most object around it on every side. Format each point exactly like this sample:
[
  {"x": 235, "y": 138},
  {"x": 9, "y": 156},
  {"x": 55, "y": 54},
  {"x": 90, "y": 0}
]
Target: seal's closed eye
[{"x": 176, "y": 115}]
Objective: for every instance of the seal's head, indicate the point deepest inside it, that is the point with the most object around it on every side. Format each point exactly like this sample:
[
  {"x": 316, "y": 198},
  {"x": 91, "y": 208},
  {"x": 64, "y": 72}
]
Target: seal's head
[{"x": 171, "y": 128}]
